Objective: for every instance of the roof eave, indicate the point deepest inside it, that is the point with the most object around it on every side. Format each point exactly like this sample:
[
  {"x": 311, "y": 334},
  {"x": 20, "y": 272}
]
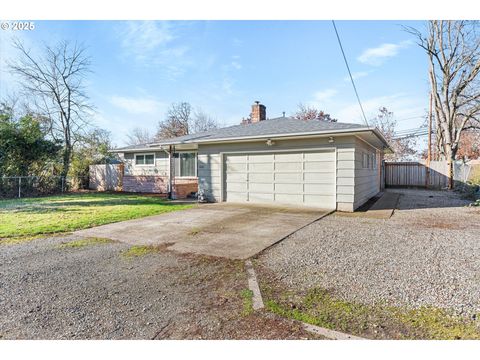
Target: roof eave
[
  {"x": 276, "y": 136},
  {"x": 161, "y": 146}
]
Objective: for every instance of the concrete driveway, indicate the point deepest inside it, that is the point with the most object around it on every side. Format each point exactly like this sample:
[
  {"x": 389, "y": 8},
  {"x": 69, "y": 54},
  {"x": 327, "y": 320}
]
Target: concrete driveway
[{"x": 233, "y": 231}]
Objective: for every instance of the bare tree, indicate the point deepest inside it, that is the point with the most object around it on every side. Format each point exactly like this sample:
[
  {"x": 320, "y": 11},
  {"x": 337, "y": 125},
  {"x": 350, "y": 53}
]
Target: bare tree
[
  {"x": 139, "y": 136},
  {"x": 202, "y": 122},
  {"x": 55, "y": 82},
  {"x": 180, "y": 121},
  {"x": 176, "y": 122},
  {"x": 403, "y": 148},
  {"x": 453, "y": 50},
  {"x": 469, "y": 147},
  {"x": 305, "y": 112}
]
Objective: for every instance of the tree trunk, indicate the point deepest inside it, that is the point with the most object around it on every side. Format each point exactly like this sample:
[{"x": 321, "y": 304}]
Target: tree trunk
[
  {"x": 67, "y": 152},
  {"x": 450, "y": 157}
]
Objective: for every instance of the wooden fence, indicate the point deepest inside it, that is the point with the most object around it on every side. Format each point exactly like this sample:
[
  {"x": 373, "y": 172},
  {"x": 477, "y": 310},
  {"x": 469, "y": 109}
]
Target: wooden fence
[
  {"x": 106, "y": 177},
  {"x": 417, "y": 174}
]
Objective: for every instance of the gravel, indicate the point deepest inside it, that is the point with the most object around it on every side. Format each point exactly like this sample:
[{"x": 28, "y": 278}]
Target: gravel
[
  {"x": 428, "y": 253},
  {"x": 95, "y": 292}
]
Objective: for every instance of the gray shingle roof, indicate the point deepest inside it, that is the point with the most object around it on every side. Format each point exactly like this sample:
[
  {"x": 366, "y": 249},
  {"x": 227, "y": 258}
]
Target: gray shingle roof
[
  {"x": 133, "y": 147},
  {"x": 275, "y": 127}
]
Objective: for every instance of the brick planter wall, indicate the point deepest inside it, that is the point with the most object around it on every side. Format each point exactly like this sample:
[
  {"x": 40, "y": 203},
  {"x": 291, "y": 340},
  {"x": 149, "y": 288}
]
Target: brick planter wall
[
  {"x": 145, "y": 183},
  {"x": 185, "y": 186},
  {"x": 159, "y": 184}
]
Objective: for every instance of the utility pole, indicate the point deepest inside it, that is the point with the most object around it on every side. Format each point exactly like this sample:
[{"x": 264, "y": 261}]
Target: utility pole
[{"x": 429, "y": 151}]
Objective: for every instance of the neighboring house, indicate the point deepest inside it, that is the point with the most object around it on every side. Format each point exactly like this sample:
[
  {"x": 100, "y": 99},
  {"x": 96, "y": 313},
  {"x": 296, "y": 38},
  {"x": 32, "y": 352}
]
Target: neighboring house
[{"x": 283, "y": 160}]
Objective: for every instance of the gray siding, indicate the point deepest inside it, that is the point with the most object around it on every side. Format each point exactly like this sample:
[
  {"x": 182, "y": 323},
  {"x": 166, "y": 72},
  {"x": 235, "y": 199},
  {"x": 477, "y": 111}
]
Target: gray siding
[
  {"x": 367, "y": 179},
  {"x": 160, "y": 168},
  {"x": 210, "y": 166}
]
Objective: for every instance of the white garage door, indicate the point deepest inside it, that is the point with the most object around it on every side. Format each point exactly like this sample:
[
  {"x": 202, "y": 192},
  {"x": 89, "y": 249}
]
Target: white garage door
[{"x": 297, "y": 178}]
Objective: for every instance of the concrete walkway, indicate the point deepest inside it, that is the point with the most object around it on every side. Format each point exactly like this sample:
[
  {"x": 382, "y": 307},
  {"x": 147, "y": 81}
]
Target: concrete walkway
[
  {"x": 231, "y": 231},
  {"x": 383, "y": 207}
]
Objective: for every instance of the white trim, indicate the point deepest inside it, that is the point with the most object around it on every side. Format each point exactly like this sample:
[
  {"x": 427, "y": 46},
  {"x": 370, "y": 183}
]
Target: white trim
[
  {"x": 366, "y": 142},
  {"x": 144, "y": 154}
]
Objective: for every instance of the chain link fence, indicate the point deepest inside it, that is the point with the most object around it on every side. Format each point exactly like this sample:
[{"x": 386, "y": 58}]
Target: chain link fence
[{"x": 31, "y": 186}]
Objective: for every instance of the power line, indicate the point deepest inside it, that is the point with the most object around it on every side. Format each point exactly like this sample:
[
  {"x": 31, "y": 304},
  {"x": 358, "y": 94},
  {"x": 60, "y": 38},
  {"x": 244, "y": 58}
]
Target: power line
[{"x": 349, "y": 73}]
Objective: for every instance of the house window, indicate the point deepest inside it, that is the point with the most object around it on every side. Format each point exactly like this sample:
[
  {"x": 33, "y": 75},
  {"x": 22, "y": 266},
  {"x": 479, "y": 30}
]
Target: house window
[
  {"x": 145, "y": 159},
  {"x": 374, "y": 156},
  {"x": 186, "y": 164},
  {"x": 364, "y": 160}
]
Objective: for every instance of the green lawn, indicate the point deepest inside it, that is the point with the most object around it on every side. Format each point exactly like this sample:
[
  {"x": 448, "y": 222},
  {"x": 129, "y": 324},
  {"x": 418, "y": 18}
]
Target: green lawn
[{"x": 54, "y": 214}]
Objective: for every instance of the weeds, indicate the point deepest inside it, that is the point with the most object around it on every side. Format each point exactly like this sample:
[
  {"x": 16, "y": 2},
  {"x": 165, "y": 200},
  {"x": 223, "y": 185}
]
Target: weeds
[
  {"x": 85, "y": 242},
  {"x": 247, "y": 296}
]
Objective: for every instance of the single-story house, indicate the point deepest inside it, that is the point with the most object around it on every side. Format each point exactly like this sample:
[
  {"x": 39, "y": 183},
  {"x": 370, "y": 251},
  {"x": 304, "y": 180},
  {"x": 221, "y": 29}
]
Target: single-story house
[{"x": 284, "y": 160}]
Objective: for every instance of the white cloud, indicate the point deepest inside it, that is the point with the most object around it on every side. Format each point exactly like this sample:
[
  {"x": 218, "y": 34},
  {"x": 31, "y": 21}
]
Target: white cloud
[
  {"x": 153, "y": 43},
  {"x": 402, "y": 105},
  {"x": 140, "y": 37},
  {"x": 356, "y": 75},
  {"x": 377, "y": 55},
  {"x": 138, "y": 105},
  {"x": 236, "y": 65},
  {"x": 324, "y": 95}
]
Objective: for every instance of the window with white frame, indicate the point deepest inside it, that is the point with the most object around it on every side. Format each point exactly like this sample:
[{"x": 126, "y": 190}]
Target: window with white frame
[
  {"x": 374, "y": 157},
  {"x": 364, "y": 160},
  {"x": 185, "y": 164},
  {"x": 145, "y": 159}
]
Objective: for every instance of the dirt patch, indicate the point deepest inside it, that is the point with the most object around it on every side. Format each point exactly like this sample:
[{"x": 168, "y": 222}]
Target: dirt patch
[{"x": 433, "y": 224}]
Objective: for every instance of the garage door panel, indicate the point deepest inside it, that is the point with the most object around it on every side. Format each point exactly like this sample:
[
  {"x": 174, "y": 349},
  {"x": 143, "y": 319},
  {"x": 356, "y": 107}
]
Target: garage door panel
[
  {"x": 296, "y": 199},
  {"x": 320, "y": 156},
  {"x": 288, "y": 177},
  {"x": 236, "y": 167},
  {"x": 260, "y": 197},
  {"x": 293, "y": 188},
  {"x": 260, "y": 167},
  {"x": 237, "y": 186},
  {"x": 289, "y": 157},
  {"x": 260, "y": 158},
  {"x": 261, "y": 177},
  {"x": 319, "y": 165},
  {"x": 325, "y": 200},
  {"x": 230, "y": 159},
  {"x": 320, "y": 189},
  {"x": 236, "y": 196},
  {"x": 260, "y": 187},
  {"x": 237, "y": 177},
  {"x": 288, "y": 166},
  {"x": 318, "y": 177}
]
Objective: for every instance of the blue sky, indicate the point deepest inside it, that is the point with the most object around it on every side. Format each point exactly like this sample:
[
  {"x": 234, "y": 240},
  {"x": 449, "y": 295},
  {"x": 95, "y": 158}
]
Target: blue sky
[{"x": 221, "y": 67}]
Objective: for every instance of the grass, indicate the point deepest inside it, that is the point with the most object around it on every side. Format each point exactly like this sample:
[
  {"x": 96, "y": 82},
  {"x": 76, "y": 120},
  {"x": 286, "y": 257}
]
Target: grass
[
  {"x": 140, "y": 250},
  {"x": 247, "y": 296},
  {"x": 319, "y": 308},
  {"x": 85, "y": 242},
  {"x": 57, "y": 214}
]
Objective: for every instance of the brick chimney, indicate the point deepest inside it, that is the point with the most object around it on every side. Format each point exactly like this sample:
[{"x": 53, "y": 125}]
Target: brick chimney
[{"x": 259, "y": 112}]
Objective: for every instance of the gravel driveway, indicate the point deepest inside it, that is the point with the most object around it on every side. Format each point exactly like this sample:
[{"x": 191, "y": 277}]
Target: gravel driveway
[
  {"x": 428, "y": 253},
  {"x": 95, "y": 292}
]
